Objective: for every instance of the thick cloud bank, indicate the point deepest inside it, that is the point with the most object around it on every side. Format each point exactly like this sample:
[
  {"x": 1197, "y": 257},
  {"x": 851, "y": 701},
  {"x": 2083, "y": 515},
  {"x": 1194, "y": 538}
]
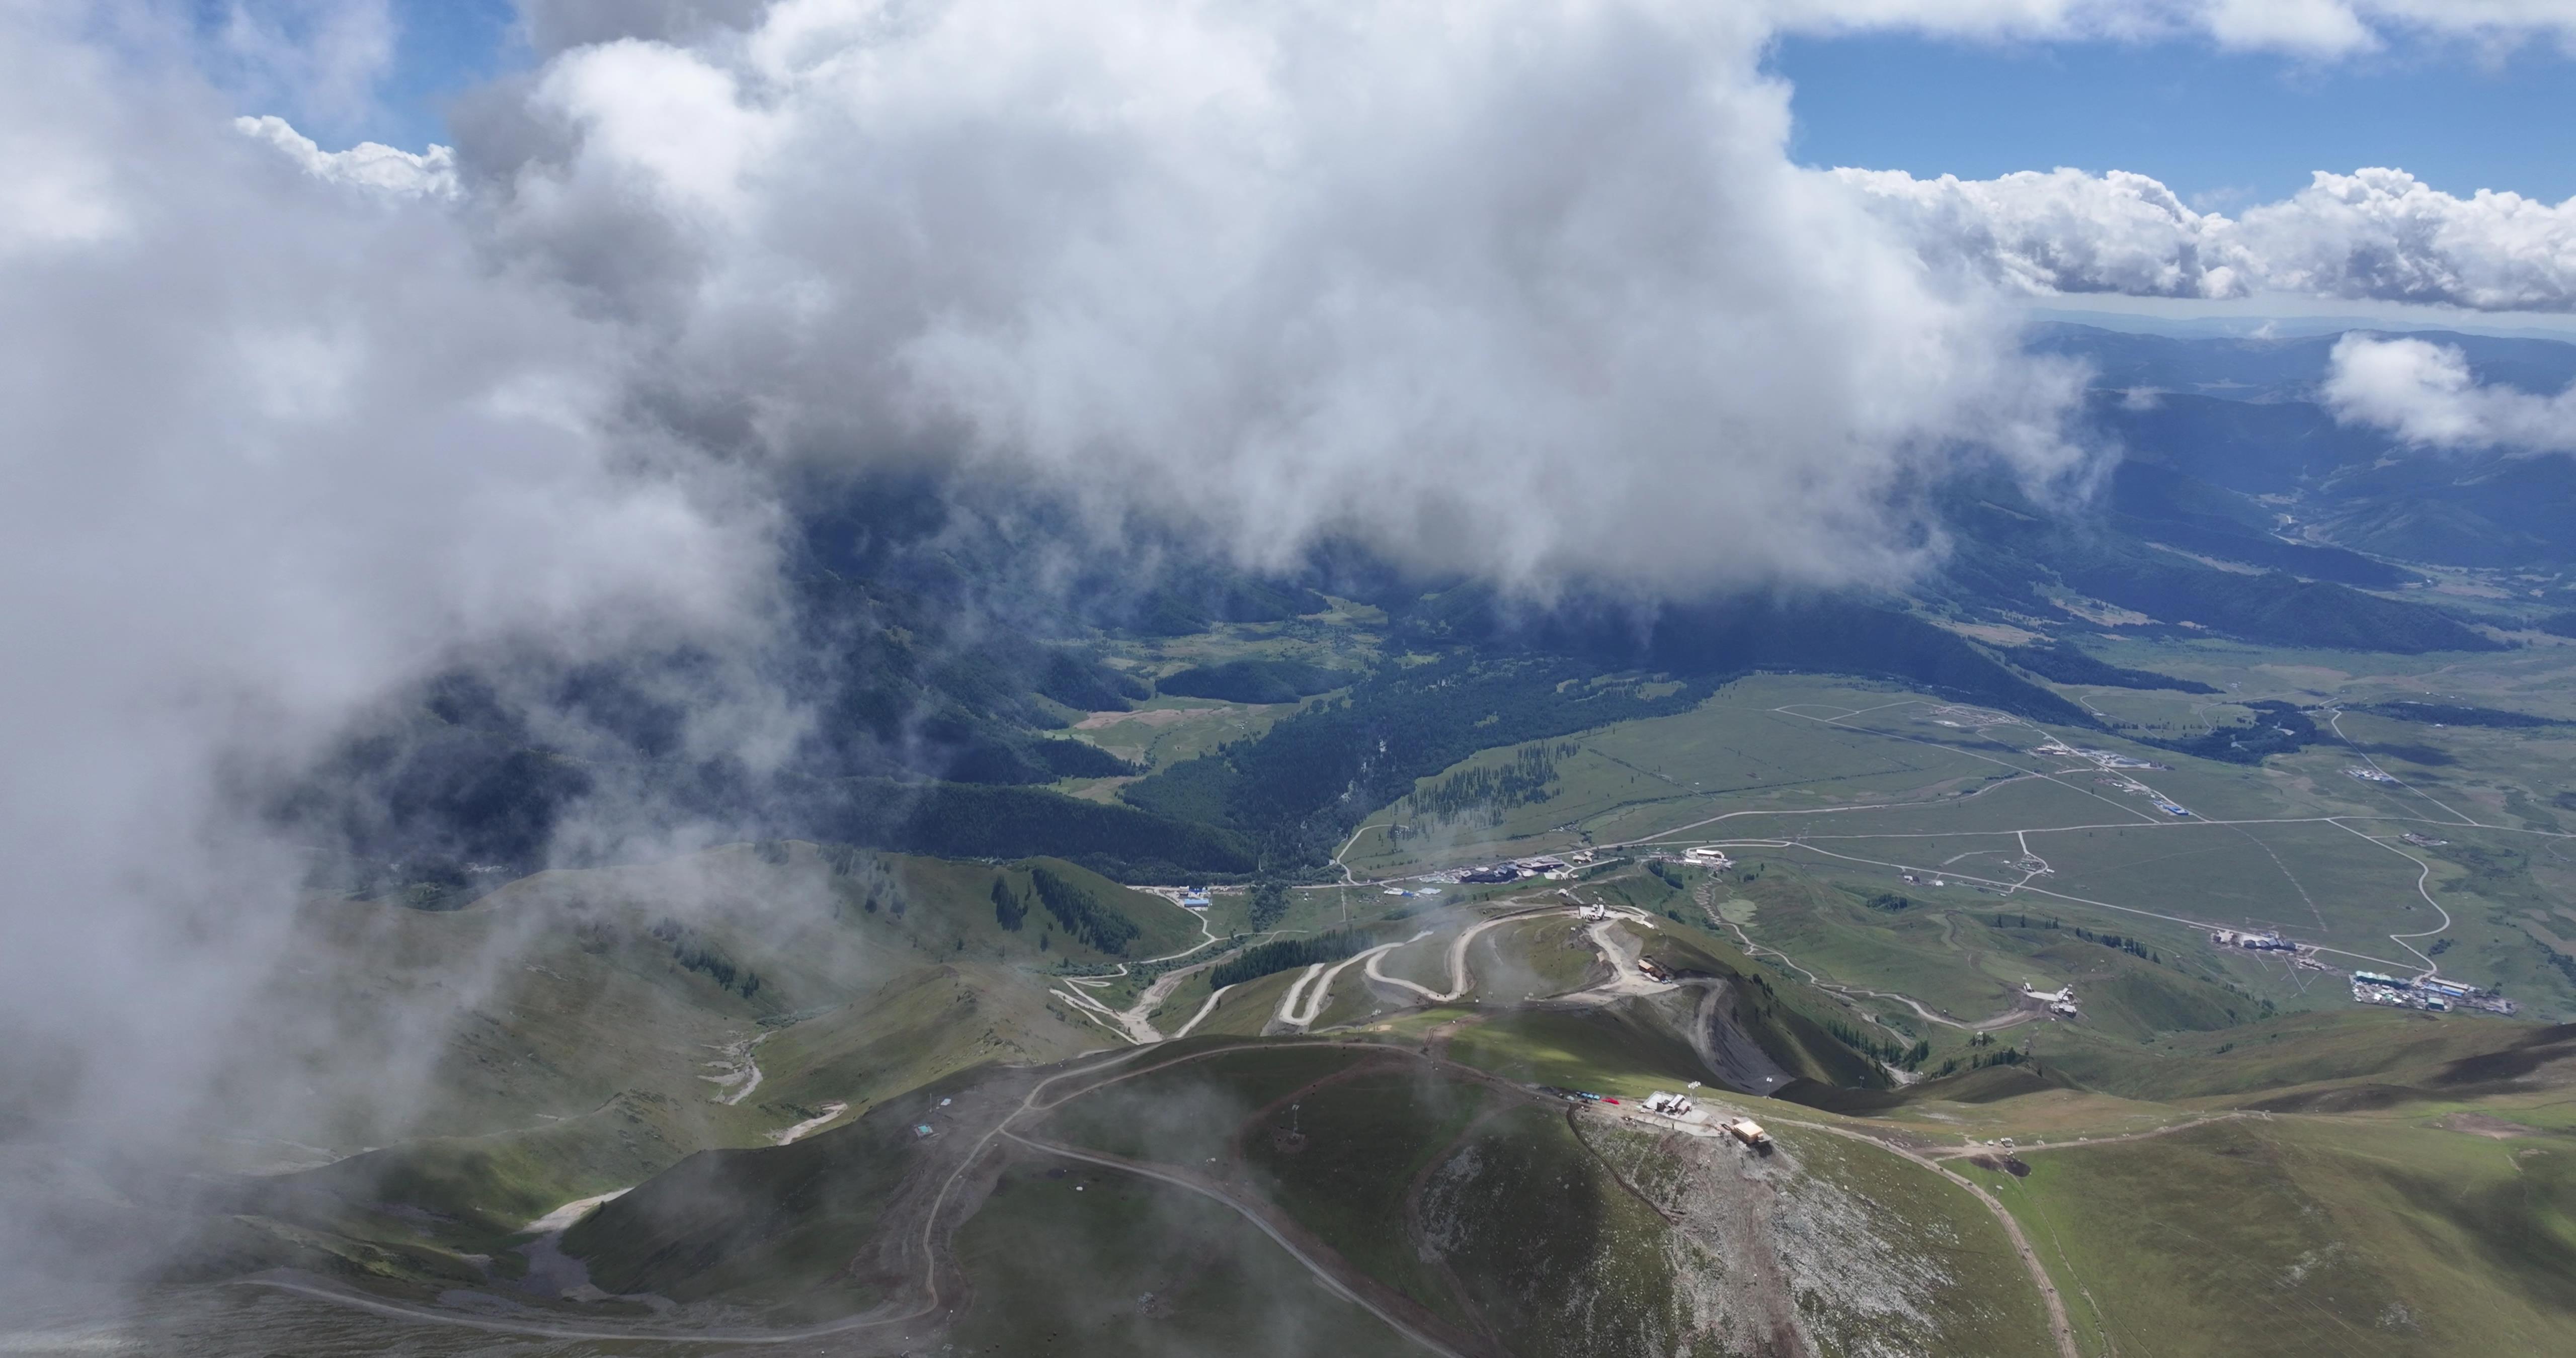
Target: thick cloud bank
[
  {"x": 2376, "y": 235},
  {"x": 2425, "y": 394},
  {"x": 1524, "y": 290}
]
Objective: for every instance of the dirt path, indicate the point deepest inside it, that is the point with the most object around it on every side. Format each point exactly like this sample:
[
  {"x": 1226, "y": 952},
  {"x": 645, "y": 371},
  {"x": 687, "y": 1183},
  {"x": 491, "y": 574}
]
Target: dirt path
[
  {"x": 1458, "y": 978},
  {"x": 1627, "y": 979},
  {"x": 1961, "y": 1152},
  {"x": 1292, "y": 1017},
  {"x": 920, "y": 1247},
  {"x": 2006, "y": 1019},
  {"x": 902, "y": 1241},
  {"x": 1439, "y": 1261},
  {"x": 1401, "y": 1314},
  {"x": 1574, "y": 1124},
  {"x": 1204, "y": 1010},
  {"x": 1280, "y": 1016}
]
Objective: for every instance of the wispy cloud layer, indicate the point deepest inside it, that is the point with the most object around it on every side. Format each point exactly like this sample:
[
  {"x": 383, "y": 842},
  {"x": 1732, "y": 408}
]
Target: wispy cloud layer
[{"x": 2310, "y": 28}]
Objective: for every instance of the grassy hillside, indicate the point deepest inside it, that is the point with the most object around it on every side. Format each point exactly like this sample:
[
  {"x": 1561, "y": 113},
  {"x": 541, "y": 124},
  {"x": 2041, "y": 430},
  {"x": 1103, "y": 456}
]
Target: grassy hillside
[
  {"x": 2300, "y": 1237},
  {"x": 601, "y": 1026},
  {"x": 1089, "y": 1263},
  {"x": 2342, "y": 1060}
]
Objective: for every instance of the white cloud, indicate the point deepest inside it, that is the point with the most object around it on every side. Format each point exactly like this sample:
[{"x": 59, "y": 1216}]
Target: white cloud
[
  {"x": 2425, "y": 394},
  {"x": 2377, "y": 235},
  {"x": 2383, "y": 235},
  {"x": 1411, "y": 273},
  {"x": 374, "y": 165},
  {"x": 2062, "y": 231}
]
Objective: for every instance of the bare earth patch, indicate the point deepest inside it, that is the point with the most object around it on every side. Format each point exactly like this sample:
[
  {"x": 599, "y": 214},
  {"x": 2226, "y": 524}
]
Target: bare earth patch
[
  {"x": 2480, "y": 1124},
  {"x": 1997, "y": 633},
  {"x": 1157, "y": 716}
]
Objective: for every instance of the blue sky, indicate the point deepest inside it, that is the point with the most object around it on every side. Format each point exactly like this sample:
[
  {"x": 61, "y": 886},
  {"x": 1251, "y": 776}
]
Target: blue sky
[
  {"x": 2223, "y": 130},
  {"x": 447, "y": 46},
  {"x": 444, "y": 48}
]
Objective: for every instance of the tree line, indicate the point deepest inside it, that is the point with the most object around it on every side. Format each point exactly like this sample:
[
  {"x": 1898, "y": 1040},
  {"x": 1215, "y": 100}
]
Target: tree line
[
  {"x": 1082, "y": 914},
  {"x": 691, "y": 950},
  {"x": 1282, "y": 955}
]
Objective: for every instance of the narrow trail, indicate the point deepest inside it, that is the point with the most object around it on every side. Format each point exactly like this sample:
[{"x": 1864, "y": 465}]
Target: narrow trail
[
  {"x": 1323, "y": 1273},
  {"x": 2423, "y": 888},
  {"x": 1459, "y": 982},
  {"x": 1130, "y": 1023},
  {"x": 2334, "y": 723},
  {"x": 2201, "y": 925},
  {"x": 931, "y": 1302},
  {"x": 1134, "y": 1023},
  {"x": 1963, "y": 1152},
  {"x": 2006, "y": 1019}
]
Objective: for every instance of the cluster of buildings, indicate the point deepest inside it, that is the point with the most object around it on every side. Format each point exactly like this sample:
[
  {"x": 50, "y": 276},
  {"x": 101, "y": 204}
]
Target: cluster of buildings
[
  {"x": 1680, "y": 1107},
  {"x": 2100, "y": 759},
  {"x": 2060, "y": 1002},
  {"x": 2430, "y": 993},
  {"x": 1552, "y": 868},
  {"x": 2370, "y": 775}
]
